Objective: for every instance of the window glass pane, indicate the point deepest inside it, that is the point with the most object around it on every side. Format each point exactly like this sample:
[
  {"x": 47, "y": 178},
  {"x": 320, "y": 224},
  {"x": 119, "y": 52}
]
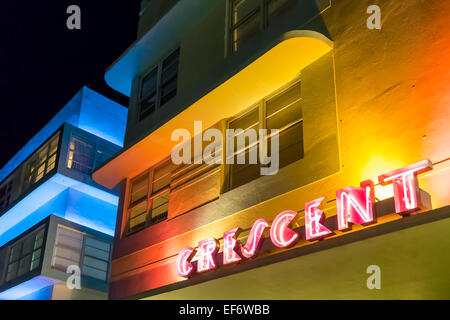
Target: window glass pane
[
  {"x": 245, "y": 30},
  {"x": 97, "y": 253},
  {"x": 170, "y": 66},
  {"x": 41, "y": 163},
  {"x": 241, "y": 174},
  {"x": 28, "y": 245},
  {"x": 148, "y": 106},
  {"x": 149, "y": 94},
  {"x": 277, "y": 7},
  {"x": 291, "y": 144},
  {"x": 51, "y": 163},
  {"x": 248, "y": 120},
  {"x": 289, "y": 114},
  {"x": 81, "y": 155},
  {"x": 161, "y": 176},
  {"x": 36, "y": 254},
  {"x": 12, "y": 271},
  {"x": 24, "y": 265},
  {"x": 94, "y": 273},
  {"x": 160, "y": 201},
  {"x": 35, "y": 264},
  {"x": 242, "y": 8},
  {"x": 168, "y": 90},
  {"x": 95, "y": 263},
  {"x": 54, "y": 145},
  {"x": 102, "y": 245},
  {"x": 137, "y": 222},
  {"x": 15, "y": 252},
  {"x": 149, "y": 83},
  {"x": 40, "y": 172},
  {"x": 5, "y": 194},
  {"x": 13, "y": 267},
  {"x": 67, "y": 249},
  {"x": 139, "y": 188},
  {"x": 169, "y": 77},
  {"x": 283, "y": 99},
  {"x": 138, "y": 210}
]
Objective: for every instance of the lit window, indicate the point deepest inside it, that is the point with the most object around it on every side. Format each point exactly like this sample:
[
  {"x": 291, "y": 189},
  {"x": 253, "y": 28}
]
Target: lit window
[
  {"x": 283, "y": 112},
  {"x": 42, "y": 162},
  {"x": 249, "y": 17},
  {"x": 25, "y": 255},
  {"x": 149, "y": 202},
  {"x": 73, "y": 247},
  {"x": 159, "y": 85},
  {"x": 81, "y": 155}
]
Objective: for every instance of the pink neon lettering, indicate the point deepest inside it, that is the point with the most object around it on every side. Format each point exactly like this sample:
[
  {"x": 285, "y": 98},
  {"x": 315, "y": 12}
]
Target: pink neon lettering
[
  {"x": 184, "y": 268},
  {"x": 406, "y": 186},
  {"x": 229, "y": 246},
  {"x": 355, "y": 205},
  {"x": 280, "y": 234},
  {"x": 254, "y": 239},
  {"x": 314, "y": 217},
  {"x": 207, "y": 250}
]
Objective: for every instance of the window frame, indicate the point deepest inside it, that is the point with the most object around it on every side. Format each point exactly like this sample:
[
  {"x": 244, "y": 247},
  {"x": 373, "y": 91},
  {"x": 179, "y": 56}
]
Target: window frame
[
  {"x": 82, "y": 253},
  {"x": 261, "y": 105},
  {"x": 5, "y": 199},
  {"x": 159, "y": 74},
  {"x": 27, "y": 175},
  {"x": 98, "y": 149},
  {"x": 263, "y": 21},
  {"x": 21, "y": 255},
  {"x": 149, "y": 197}
]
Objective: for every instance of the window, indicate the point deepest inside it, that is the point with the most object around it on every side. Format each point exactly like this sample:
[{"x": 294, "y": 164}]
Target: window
[
  {"x": 96, "y": 258},
  {"x": 25, "y": 255},
  {"x": 76, "y": 248},
  {"x": 149, "y": 197},
  {"x": 5, "y": 194},
  {"x": 42, "y": 162},
  {"x": 103, "y": 155},
  {"x": 249, "y": 17},
  {"x": 159, "y": 85},
  {"x": 283, "y": 112},
  {"x": 81, "y": 155}
]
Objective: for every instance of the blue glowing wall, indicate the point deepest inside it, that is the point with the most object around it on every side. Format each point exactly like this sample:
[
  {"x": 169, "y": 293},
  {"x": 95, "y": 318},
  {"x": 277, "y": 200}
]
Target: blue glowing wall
[{"x": 87, "y": 110}]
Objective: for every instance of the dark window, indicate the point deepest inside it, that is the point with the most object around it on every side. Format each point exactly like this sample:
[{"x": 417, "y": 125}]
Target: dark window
[
  {"x": 5, "y": 194},
  {"x": 249, "y": 17},
  {"x": 160, "y": 85},
  {"x": 149, "y": 94},
  {"x": 283, "y": 112},
  {"x": 25, "y": 255}
]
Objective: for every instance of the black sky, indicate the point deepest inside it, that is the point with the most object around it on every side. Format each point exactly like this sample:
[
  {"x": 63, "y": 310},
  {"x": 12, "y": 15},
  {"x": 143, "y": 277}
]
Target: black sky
[{"x": 43, "y": 64}]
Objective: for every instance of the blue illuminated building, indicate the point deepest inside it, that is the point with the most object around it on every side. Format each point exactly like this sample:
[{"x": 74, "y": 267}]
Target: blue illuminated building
[{"x": 52, "y": 214}]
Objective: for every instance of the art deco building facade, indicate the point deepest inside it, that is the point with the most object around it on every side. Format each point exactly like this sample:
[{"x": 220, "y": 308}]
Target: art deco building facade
[
  {"x": 53, "y": 215},
  {"x": 352, "y": 104}
]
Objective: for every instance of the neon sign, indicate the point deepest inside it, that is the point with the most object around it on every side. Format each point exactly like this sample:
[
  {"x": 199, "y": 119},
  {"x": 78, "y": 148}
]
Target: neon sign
[
  {"x": 314, "y": 218},
  {"x": 355, "y": 205}
]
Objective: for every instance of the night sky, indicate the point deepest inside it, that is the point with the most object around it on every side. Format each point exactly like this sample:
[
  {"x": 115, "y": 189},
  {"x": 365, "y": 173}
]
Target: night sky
[{"x": 43, "y": 63}]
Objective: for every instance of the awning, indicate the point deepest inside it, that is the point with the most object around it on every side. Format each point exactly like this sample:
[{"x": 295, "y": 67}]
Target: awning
[{"x": 276, "y": 67}]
